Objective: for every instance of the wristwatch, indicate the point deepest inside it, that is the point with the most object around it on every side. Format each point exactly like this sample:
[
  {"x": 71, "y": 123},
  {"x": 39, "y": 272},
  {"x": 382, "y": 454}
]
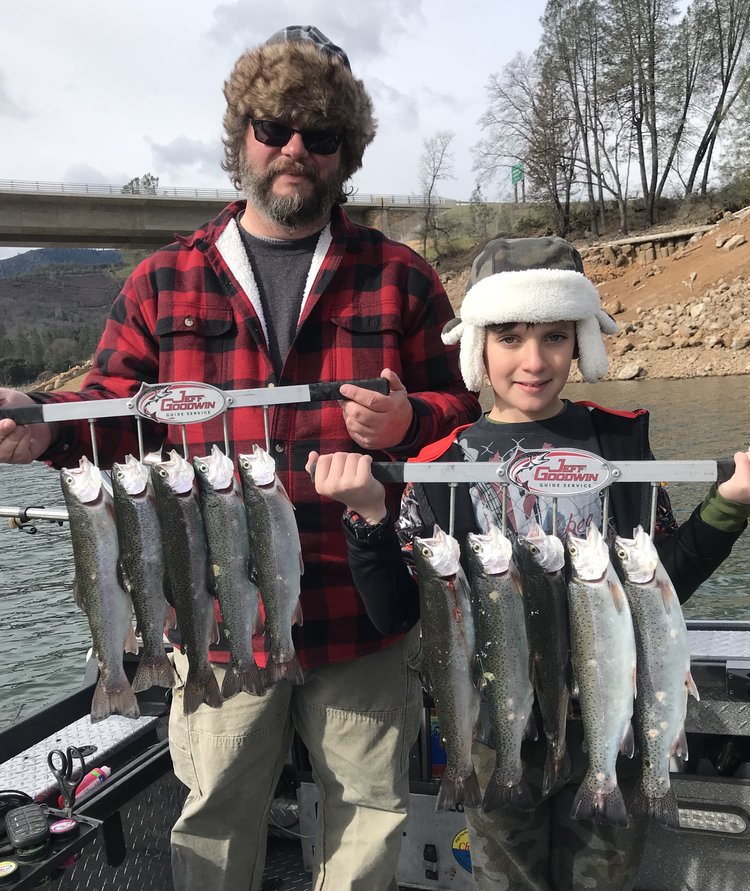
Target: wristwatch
[{"x": 371, "y": 533}]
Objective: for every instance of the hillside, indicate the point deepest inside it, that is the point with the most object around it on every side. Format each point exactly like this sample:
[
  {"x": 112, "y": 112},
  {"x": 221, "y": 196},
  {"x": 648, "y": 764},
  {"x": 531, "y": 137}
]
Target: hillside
[{"x": 687, "y": 315}]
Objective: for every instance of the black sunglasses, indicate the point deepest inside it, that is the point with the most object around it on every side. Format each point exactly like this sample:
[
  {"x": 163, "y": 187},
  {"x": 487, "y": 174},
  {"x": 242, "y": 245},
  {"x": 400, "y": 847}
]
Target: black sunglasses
[{"x": 319, "y": 142}]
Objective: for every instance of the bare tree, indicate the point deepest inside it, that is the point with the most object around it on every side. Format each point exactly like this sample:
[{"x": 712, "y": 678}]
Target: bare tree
[
  {"x": 435, "y": 165},
  {"x": 142, "y": 185},
  {"x": 529, "y": 120}
]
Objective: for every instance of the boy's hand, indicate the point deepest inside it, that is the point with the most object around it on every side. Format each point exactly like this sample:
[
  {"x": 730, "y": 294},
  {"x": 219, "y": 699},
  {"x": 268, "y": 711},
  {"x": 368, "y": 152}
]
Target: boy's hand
[
  {"x": 737, "y": 487},
  {"x": 346, "y": 477},
  {"x": 373, "y": 420},
  {"x": 20, "y": 444}
]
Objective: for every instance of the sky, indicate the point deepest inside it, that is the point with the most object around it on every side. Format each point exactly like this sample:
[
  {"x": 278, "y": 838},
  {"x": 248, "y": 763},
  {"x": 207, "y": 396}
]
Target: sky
[{"x": 99, "y": 92}]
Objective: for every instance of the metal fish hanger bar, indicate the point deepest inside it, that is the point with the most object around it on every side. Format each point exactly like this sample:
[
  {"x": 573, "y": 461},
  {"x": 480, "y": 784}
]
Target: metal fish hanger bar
[{"x": 184, "y": 402}]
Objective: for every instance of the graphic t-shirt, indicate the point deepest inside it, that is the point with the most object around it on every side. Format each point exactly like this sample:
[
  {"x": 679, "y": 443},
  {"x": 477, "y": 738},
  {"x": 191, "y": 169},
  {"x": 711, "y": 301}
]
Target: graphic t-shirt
[{"x": 488, "y": 440}]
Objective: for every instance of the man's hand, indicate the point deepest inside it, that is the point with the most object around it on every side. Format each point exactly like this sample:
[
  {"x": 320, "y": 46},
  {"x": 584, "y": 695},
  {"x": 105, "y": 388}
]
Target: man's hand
[
  {"x": 346, "y": 477},
  {"x": 737, "y": 487},
  {"x": 373, "y": 420},
  {"x": 21, "y": 444}
]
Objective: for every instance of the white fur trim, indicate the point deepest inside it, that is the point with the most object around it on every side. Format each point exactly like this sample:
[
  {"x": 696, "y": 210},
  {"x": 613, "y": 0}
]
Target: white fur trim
[
  {"x": 232, "y": 249},
  {"x": 534, "y": 296}
]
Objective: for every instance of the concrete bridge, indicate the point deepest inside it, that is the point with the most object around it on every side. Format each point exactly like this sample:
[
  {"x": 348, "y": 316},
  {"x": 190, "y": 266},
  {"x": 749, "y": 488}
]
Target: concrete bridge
[{"x": 41, "y": 214}]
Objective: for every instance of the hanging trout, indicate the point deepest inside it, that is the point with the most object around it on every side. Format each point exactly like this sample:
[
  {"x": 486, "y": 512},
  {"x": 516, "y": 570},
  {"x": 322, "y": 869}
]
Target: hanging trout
[
  {"x": 663, "y": 677},
  {"x": 141, "y": 568},
  {"x": 97, "y": 590},
  {"x": 504, "y": 656},
  {"x": 186, "y": 560},
  {"x": 602, "y": 647},
  {"x": 230, "y": 569},
  {"x": 450, "y": 665},
  {"x": 277, "y": 558},
  {"x": 541, "y": 562}
]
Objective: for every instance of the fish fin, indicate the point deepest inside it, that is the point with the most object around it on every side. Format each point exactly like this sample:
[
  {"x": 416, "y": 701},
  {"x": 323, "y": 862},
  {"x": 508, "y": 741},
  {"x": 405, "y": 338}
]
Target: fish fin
[
  {"x": 297, "y": 614},
  {"x": 259, "y": 626},
  {"x": 617, "y": 592},
  {"x": 78, "y": 594},
  {"x": 301, "y": 564},
  {"x": 238, "y": 680},
  {"x": 680, "y": 745},
  {"x": 668, "y": 593},
  {"x": 131, "y": 643},
  {"x": 627, "y": 743},
  {"x": 170, "y": 619},
  {"x": 201, "y": 686},
  {"x": 153, "y": 671},
  {"x": 534, "y": 677},
  {"x": 691, "y": 688},
  {"x": 214, "y": 636},
  {"x": 557, "y": 769},
  {"x": 456, "y": 791},
  {"x": 284, "y": 671},
  {"x": 426, "y": 681},
  {"x": 530, "y": 730},
  {"x": 478, "y": 677},
  {"x": 663, "y": 808},
  {"x": 595, "y": 804},
  {"x": 501, "y": 796},
  {"x": 118, "y": 701},
  {"x": 122, "y": 577}
]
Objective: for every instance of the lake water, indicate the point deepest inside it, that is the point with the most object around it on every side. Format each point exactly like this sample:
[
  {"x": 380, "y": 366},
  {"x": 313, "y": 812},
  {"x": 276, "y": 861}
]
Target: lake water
[{"x": 45, "y": 636}]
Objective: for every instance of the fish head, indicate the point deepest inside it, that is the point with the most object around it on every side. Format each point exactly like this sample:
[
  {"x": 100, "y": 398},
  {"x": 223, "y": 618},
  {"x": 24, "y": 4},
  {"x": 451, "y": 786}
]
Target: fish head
[
  {"x": 493, "y": 550},
  {"x": 175, "y": 474},
  {"x": 637, "y": 556},
  {"x": 441, "y": 553},
  {"x": 82, "y": 483},
  {"x": 132, "y": 477},
  {"x": 215, "y": 470},
  {"x": 589, "y": 556},
  {"x": 258, "y": 467},
  {"x": 546, "y": 551}
]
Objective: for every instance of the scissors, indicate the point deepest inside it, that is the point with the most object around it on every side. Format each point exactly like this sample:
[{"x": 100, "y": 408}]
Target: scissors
[{"x": 63, "y": 767}]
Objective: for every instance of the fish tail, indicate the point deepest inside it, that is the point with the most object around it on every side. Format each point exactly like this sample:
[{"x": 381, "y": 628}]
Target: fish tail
[
  {"x": 153, "y": 671},
  {"x": 201, "y": 686},
  {"x": 600, "y": 805},
  {"x": 455, "y": 790},
  {"x": 290, "y": 671},
  {"x": 238, "y": 680},
  {"x": 557, "y": 768},
  {"x": 117, "y": 700},
  {"x": 662, "y": 808},
  {"x": 500, "y": 796}
]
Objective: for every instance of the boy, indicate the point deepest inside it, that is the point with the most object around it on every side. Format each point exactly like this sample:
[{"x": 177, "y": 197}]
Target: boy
[{"x": 528, "y": 313}]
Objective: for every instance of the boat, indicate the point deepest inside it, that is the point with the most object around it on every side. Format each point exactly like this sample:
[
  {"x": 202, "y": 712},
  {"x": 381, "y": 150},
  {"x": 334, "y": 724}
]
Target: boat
[{"x": 123, "y": 841}]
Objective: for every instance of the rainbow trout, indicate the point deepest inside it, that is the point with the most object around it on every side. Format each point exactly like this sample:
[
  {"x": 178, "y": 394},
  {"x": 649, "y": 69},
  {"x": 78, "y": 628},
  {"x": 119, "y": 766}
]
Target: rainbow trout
[
  {"x": 229, "y": 554},
  {"x": 602, "y": 646},
  {"x": 504, "y": 656},
  {"x": 185, "y": 558},
  {"x": 277, "y": 558},
  {"x": 663, "y": 677},
  {"x": 141, "y": 568},
  {"x": 97, "y": 590},
  {"x": 450, "y": 665},
  {"x": 541, "y": 562}
]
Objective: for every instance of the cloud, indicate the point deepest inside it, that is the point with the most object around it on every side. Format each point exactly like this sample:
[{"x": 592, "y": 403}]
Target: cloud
[
  {"x": 183, "y": 152},
  {"x": 363, "y": 30},
  {"x": 8, "y": 108},
  {"x": 84, "y": 173}
]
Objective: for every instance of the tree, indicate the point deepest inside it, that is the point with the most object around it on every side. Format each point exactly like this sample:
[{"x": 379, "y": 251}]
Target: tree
[
  {"x": 142, "y": 185},
  {"x": 435, "y": 165},
  {"x": 481, "y": 214}
]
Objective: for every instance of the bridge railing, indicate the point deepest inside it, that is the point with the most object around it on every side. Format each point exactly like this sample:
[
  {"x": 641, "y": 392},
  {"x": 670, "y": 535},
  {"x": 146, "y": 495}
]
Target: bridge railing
[{"x": 115, "y": 190}]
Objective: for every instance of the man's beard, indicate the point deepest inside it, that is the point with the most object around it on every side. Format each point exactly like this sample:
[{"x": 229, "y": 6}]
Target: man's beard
[{"x": 295, "y": 210}]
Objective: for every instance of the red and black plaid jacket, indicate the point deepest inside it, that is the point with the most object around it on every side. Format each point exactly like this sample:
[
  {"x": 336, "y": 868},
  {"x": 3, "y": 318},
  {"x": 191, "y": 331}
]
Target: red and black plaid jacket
[{"x": 183, "y": 316}]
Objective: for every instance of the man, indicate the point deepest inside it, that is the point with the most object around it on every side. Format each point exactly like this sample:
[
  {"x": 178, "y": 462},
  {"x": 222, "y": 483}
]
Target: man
[{"x": 285, "y": 289}]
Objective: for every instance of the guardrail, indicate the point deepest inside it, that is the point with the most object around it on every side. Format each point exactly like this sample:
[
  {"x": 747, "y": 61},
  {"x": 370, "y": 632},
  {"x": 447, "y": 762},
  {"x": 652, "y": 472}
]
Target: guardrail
[{"x": 116, "y": 190}]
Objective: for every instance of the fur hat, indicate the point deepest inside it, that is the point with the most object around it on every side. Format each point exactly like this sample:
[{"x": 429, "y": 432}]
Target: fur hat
[
  {"x": 530, "y": 280},
  {"x": 300, "y": 78}
]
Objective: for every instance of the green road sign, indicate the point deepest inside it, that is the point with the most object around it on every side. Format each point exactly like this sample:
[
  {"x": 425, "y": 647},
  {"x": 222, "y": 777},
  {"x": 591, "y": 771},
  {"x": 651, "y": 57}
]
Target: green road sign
[{"x": 516, "y": 173}]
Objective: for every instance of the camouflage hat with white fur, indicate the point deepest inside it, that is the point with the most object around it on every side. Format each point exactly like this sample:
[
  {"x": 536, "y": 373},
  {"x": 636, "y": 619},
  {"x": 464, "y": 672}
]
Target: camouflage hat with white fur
[{"x": 530, "y": 280}]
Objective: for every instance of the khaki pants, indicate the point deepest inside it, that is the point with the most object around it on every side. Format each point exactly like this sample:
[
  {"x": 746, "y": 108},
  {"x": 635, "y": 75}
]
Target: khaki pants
[{"x": 358, "y": 721}]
